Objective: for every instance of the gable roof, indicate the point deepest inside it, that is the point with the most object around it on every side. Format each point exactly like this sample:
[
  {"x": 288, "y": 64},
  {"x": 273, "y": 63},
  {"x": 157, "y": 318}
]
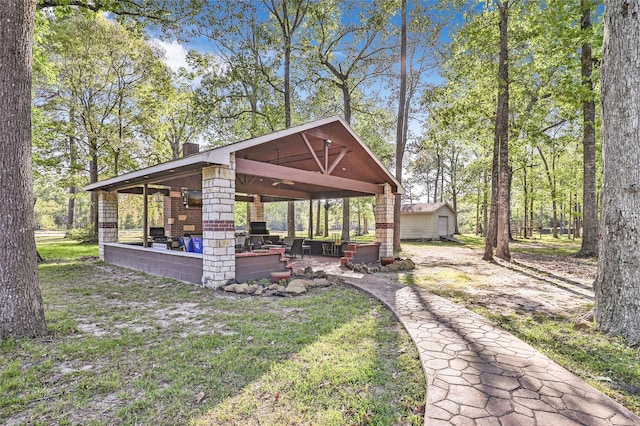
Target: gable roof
[
  {"x": 317, "y": 160},
  {"x": 425, "y": 207}
]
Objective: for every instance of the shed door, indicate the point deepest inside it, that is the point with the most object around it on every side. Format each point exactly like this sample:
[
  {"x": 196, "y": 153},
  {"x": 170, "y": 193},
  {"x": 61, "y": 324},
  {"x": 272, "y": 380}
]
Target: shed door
[{"x": 443, "y": 226}]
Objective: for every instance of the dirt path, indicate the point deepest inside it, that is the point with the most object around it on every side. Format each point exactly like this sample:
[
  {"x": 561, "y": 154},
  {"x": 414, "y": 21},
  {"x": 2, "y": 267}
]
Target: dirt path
[{"x": 531, "y": 283}]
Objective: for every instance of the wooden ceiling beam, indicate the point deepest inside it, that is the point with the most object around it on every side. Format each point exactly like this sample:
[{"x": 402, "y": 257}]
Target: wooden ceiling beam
[
  {"x": 257, "y": 168},
  {"x": 277, "y": 191},
  {"x": 313, "y": 153}
]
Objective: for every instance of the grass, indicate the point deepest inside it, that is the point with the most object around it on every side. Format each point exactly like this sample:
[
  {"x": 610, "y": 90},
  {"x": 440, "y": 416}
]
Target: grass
[
  {"x": 128, "y": 348},
  {"x": 54, "y": 247},
  {"x": 607, "y": 363}
]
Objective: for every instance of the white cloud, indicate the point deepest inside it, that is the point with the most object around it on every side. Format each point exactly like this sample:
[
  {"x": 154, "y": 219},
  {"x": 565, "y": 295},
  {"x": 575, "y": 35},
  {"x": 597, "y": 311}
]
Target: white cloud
[{"x": 175, "y": 54}]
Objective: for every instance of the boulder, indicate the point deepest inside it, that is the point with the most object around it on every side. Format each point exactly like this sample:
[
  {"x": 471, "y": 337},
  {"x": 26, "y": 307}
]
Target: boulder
[
  {"x": 296, "y": 287},
  {"x": 242, "y": 288},
  {"x": 406, "y": 264},
  {"x": 259, "y": 291},
  {"x": 320, "y": 282},
  {"x": 394, "y": 267},
  {"x": 301, "y": 282},
  {"x": 229, "y": 288},
  {"x": 319, "y": 274}
]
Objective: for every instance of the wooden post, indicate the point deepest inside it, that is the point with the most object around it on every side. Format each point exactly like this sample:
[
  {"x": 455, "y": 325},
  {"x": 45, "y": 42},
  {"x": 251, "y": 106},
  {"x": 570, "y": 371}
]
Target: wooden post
[
  {"x": 145, "y": 214},
  {"x": 310, "y": 219}
]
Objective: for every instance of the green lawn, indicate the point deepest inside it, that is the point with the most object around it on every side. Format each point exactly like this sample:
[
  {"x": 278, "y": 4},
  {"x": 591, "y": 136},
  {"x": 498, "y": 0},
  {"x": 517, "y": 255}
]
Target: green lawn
[
  {"x": 129, "y": 348},
  {"x": 54, "y": 247},
  {"x": 608, "y": 363}
]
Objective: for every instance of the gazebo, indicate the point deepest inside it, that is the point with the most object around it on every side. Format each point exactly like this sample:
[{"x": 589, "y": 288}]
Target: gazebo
[{"x": 323, "y": 159}]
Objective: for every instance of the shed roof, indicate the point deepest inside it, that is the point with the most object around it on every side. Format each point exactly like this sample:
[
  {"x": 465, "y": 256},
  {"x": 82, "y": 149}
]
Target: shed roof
[
  {"x": 317, "y": 160},
  {"x": 425, "y": 207}
]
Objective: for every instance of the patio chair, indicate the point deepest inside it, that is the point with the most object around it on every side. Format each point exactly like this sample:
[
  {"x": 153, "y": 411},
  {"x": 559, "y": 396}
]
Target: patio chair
[
  {"x": 295, "y": 249},
  {"x": 287, "y": 241}
]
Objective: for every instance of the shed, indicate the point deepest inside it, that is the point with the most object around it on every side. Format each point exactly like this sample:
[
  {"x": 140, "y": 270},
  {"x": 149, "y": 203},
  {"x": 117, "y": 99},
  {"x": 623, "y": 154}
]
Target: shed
[{"x": 427, "y": 221}]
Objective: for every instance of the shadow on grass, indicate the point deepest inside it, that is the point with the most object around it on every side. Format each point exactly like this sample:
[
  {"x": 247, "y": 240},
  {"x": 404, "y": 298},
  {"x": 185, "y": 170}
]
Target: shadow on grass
[{"x": 132, "y": 348}]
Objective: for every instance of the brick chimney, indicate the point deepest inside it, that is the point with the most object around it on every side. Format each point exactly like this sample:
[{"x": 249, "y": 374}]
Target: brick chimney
[{"x": 190, "y": 149}]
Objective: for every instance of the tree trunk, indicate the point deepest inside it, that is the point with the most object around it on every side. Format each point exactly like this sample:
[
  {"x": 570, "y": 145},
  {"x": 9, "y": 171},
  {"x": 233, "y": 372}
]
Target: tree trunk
[
  {"x": 326, "y": 219},
  {"x": 436, "y": 181},
  {"x": 346, "y": 219},
  {"x": 525, "y": 222},
  {"x": 491, "y": 227},
  {"x": 589, "y": 245},
  {"x": 287, "y": 82},
  {"x": 71, "y": 207},
  {"x": 485, "y": 203},
  {"x": 93, "y": 178},
  {"x": 71, "y": 204},
  {"x": 291, "y": 218},
  {"x": 477, "y": 231},
  {"x": 318, "y": 211},
  {"x": 346, "y": 216},
  {"x": 502, "y": 129},
  {"x": 21, "y": 309},
  {"x": 400, "y": 128},
  {"x": 617, "y": 285}
]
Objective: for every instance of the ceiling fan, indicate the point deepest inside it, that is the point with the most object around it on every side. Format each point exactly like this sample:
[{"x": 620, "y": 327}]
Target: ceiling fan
[{"x": 277, "y": 182}]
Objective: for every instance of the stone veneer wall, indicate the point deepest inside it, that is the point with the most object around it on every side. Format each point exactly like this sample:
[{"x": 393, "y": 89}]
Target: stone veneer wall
[
  {"x": 256, "y": 211},
  {"x": 107, "y": 220},
  {"x": 384, "y": 221},
  {"x": 218, "y": 224},
  {"x": 182, "y": 217}
]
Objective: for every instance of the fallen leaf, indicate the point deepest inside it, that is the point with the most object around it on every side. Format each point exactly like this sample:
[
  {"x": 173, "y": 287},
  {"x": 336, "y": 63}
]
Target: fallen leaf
[
  {"x": 249, "y": 339},
  {"x": 199, "y": 397},
  {"x": 418, "y": 410}
]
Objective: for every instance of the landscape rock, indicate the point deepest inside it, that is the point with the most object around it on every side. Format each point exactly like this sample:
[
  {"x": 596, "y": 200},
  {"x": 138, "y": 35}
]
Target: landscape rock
[
  {"x": 242, "y": 288},
  {"x": 296, "y": 287},
  {"x": 320, "y": 282},
  {"x": 306, "y": 279},
  {"x": 406, "y": 264},
  {"x": 393, "y": 267},
  {"x": 301, "y": 282},
  {"x": 319, "y": 274}
]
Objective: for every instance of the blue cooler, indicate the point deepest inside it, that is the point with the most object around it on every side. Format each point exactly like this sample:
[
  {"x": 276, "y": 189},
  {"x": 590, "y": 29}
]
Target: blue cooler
[{"x": 197, "y": 244}]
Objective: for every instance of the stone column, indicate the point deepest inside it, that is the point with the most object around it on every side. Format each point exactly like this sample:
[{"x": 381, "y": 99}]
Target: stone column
[
  {"x": 256, "y": 210},
  {"x": 384, "y": 221},
  {"x": 218, "y": 224},
  {"x": 107, "y": 220}
]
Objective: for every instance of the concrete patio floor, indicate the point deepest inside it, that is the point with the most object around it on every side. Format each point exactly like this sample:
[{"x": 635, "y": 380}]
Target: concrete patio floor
[{"x": 477, "y": 373}]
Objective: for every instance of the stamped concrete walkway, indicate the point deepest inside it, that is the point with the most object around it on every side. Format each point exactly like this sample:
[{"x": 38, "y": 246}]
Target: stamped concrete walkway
[{"x": 478, "y": 374}]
